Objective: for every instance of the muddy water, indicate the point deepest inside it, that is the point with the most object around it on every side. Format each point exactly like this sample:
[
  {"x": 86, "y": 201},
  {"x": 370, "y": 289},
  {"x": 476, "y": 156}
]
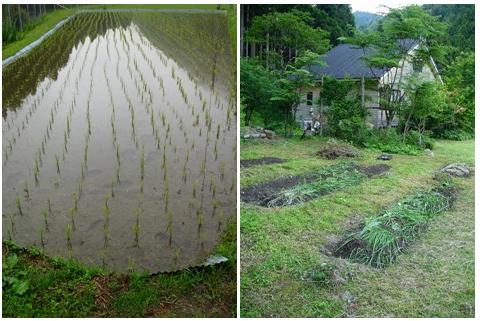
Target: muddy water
[{"x": 124, "y": 157}]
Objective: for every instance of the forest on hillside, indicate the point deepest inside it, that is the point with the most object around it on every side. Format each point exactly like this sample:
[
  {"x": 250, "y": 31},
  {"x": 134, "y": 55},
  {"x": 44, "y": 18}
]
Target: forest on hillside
[{"x": 280, "y": 41}]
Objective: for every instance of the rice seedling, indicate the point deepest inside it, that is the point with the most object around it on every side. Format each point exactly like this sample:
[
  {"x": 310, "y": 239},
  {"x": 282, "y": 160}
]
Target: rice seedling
[
  {"x": 136, "y": 226},
  {"x": 19, "y": 206},
  {"x": 25, "y": 189},
  {"x": 142, "y": 163},
  {"x": 42, "y": 242},
  {"x": 222, "y": 170},
  {"x": 49, "y": 204},
  {"x": 68, "y": 235},
  {"x": 131, "y": 265},
  {"x": 170, "y": 228},
  {"x": 57, "y": 162},
  {"x": 45, "y": 218},
  {"x": 106, "y": 219}
]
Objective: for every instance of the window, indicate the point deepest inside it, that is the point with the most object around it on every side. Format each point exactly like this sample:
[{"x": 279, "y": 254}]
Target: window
[
  {"x": 417, "y": 65},
  {"x": 309, "y": 98}
]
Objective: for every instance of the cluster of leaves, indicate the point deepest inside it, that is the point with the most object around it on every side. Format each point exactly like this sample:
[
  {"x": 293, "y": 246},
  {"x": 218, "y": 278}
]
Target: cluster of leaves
[
  {"x": 345, "y": 117},
  {"x": 460, "y": 32},
  {"x": 13, "y": 281},
  {"x": 390, "y": 141},
  {"x": 382, "y": 238},
  {"x": 274, "y": 94},
  {"x": 336, "y": 19}
]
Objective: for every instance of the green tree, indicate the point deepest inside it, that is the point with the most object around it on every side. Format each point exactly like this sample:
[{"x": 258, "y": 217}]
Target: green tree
[
  {"x": 283, "y": 36},
  {"x": 400, "y": 31},
  {"x": 291, "y": 82},
  {"x": 346, "y": 116},
  {"x": 425, "y": 101},
  {"x": 257, "y": 85}
]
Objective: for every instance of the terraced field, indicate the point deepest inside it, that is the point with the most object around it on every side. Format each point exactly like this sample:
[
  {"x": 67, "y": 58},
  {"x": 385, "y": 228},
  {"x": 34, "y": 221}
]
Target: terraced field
[{"x": 119, "y": 140}]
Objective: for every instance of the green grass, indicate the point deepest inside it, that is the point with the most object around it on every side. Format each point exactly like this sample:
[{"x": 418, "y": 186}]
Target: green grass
[
  {"x": 280, "y": 246},
  {"x": 44, "y": 24},
  {"x": 35, "y": 285}
]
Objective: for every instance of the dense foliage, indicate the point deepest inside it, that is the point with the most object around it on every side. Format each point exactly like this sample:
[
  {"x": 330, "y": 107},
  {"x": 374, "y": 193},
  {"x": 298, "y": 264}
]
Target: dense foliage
[
  {"x": 336, "y": 19},
  {"x": 272, "y": 84}
]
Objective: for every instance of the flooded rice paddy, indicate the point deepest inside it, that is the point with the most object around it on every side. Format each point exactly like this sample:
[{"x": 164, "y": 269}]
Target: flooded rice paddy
[{"x": 119, "y": 140}]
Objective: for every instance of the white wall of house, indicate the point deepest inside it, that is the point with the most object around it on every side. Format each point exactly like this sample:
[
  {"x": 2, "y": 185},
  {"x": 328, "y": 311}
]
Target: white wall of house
[
  {"x": 425, "y": 74},
  {"x": 377, "y": 118}
]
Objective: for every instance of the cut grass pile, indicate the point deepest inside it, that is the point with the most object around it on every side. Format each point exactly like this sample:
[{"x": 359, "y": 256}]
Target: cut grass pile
[
  {"x": 329, "y": 179},
  {"x": 334, "y": 149},
  {"x": 382, "y": 238},
  {"x": 287, "y": 191}
]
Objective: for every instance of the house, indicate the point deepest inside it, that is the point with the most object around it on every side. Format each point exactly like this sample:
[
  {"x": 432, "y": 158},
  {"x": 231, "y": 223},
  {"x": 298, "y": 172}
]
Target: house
[{"x": 346, "y": 61}]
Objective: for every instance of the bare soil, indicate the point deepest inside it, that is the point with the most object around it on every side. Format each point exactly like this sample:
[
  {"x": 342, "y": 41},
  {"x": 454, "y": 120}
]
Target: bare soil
[{"x": 246, "y": 163}]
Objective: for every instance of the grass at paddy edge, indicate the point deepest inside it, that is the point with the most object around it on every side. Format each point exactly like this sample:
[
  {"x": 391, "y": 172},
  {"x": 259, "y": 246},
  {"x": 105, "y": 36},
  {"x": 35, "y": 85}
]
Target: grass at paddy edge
[
  {"x": 44, "y": 24},
  {"x": 281, "y": 246},
  {"x": 40, "y": 286}
]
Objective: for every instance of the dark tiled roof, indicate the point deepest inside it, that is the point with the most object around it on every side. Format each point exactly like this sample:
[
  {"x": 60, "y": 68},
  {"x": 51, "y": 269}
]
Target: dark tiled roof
[{"x": 346, "y": 61}]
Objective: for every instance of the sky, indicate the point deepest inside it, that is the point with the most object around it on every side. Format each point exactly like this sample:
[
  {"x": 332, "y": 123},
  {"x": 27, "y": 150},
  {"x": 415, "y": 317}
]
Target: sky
[{"x": 375, "y": 6}]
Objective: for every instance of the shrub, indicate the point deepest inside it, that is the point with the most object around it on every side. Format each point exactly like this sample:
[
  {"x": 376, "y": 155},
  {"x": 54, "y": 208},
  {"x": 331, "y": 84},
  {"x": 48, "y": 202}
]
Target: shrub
[
  {"x": 389, "y": 141},
  {"x": 456, "y": 134},
  {"x": 345, "y": 117}
]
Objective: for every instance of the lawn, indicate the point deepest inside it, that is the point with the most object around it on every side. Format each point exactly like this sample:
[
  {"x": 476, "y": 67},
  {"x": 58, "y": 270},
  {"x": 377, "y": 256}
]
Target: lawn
[
  {"x": 282, "y": 247},
  {"x": 54, "y": 287}
]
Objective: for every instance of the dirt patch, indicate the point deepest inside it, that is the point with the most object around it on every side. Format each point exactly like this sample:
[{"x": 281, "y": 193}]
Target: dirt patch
[
  {"x": 246, "y": 163},
  {"x": 261, "y": 194},
  {"x": 333, "y": 150},
  {"x": 374, "y": 170},
  {"x": 106, "y": 287}
]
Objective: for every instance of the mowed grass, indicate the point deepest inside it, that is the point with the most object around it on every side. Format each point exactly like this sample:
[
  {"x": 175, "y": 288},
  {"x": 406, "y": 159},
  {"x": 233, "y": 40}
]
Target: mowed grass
[
  {"x": 279, "y": 246},
  {"x": 55, "y": 287}
]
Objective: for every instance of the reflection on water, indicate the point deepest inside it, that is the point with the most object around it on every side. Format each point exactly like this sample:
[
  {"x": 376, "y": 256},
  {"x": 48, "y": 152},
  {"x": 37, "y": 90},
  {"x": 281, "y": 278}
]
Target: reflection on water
[{"x": 123, "y": 153}]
